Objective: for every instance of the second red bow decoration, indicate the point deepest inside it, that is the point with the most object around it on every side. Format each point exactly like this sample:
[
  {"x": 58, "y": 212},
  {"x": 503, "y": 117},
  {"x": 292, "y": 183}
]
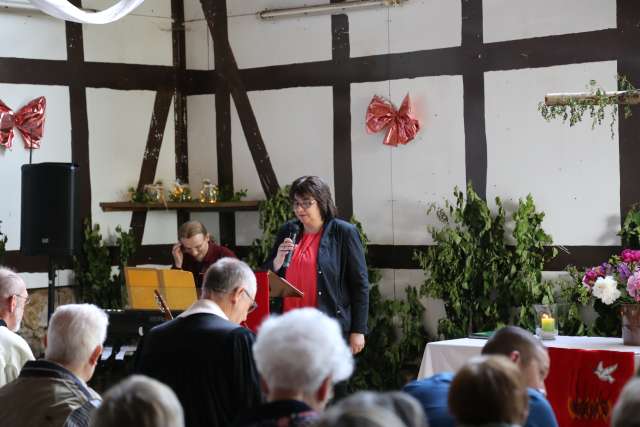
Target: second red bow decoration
[
  {"x": 401, "y": 125},
  {"x": 29, "y": 121}
]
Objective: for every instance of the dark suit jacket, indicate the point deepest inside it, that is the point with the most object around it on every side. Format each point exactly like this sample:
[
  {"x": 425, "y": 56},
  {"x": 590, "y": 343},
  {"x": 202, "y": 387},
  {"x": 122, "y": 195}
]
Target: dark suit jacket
[
  {"x": 343, "y": 282},
  {"x": 208, "y": 363}
]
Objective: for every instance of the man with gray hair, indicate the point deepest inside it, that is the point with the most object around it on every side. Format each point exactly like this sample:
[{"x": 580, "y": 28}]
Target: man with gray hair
[
  {"x": 204, "y": 354},
  {"x": 299, "y": 355},
  {"x": 14, "y": 350},
  {"x": 48, "y": 390}
]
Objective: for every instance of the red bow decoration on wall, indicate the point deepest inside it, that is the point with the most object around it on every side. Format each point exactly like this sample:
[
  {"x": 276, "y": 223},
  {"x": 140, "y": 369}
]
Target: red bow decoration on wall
[
  {"x": 401, "y": 125},
  {"x": 29, "y": 120}
]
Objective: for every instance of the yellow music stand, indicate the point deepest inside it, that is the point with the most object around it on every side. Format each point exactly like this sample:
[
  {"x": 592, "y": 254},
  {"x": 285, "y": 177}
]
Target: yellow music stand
[{"x": 176, "y": 286}]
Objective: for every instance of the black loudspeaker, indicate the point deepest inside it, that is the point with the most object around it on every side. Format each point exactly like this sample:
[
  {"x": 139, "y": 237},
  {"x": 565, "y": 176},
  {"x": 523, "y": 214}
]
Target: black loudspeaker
[{"x": 50, "y": 220}]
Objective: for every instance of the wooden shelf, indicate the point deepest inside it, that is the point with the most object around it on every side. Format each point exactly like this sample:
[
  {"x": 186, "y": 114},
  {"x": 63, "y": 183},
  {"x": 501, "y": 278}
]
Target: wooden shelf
[{"x": 245, "y": 205}]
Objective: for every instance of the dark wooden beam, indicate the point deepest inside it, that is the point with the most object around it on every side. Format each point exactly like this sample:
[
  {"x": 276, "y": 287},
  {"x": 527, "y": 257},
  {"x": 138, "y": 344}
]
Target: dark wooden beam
[
  {"x": 229, "y": 71},
  {"x": 380, "y": 256},
  {"x": 79, "y": 119},
  {"x": 151, "y": 154},
  {"x": 180, "y": 99},
  {"x": 628, "y": 16},
  {"x": 475, "y": 148},
  {"x": 342, "y": 165},
  {"x": 224, "y": 151}
]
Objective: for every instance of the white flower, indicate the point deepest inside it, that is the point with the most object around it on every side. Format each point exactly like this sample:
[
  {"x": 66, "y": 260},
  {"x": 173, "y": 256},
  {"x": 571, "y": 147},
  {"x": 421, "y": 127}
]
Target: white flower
[{"x": 606, "y": 290}]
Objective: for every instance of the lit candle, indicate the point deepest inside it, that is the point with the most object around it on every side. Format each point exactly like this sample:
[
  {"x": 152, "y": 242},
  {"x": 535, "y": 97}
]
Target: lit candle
[{"x": 548, "y": 323}]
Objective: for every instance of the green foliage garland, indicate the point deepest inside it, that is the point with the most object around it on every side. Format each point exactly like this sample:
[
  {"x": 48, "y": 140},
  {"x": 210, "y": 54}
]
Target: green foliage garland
[
  {"x": 576, "y": 108},
  {"x": 479, "y": 277},
  {"x": 93, "y": 268},
  {"x": 226, "y": 194}
]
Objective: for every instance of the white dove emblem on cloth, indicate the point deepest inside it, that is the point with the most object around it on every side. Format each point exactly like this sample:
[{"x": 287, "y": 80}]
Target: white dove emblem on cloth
[{"x": 604, "y": 374}]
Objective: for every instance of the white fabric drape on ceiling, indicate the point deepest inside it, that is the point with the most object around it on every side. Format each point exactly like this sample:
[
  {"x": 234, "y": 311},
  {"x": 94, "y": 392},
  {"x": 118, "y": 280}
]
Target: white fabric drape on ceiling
[{"x": 64, "y": 10}]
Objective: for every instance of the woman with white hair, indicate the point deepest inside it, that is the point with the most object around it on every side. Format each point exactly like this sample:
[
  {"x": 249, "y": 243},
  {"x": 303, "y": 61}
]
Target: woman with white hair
[{"x": 299, "y": 356}]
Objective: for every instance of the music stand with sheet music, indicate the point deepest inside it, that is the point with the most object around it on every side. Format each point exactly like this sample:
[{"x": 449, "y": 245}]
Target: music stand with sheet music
[{"x": 177, "y": 287}]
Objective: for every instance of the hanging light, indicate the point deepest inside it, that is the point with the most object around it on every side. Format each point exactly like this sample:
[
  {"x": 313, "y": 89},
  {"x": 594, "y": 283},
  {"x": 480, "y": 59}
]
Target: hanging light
[{"x": 323, "y": 9}]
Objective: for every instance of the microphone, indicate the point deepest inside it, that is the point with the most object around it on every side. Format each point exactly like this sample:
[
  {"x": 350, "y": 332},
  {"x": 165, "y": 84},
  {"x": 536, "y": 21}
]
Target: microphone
[{"x": 292, "y": 235}]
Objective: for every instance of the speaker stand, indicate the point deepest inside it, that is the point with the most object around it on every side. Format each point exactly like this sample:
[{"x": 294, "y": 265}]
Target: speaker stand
[{"x": 51, "y": 288}]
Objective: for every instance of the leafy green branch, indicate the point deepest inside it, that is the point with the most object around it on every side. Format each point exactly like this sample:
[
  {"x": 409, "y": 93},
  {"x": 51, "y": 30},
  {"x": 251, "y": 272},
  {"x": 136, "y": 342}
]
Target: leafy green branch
[
  {"x": 480, "y": 278},
  {"x": 572, "y": 107},
  {"x": 97, "y": 283}
]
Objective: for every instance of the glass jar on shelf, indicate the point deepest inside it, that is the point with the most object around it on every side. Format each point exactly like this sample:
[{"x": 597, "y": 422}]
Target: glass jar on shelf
[{"x": 209, "y": 192}]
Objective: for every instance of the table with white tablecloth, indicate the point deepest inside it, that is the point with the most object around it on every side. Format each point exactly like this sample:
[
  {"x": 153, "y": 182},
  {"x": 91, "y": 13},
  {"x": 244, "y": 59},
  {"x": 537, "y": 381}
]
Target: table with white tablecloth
[{"x": 450, "y": 355}]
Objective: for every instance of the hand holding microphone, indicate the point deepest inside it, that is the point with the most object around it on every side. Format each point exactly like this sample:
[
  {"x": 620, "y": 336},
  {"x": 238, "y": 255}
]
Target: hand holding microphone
[
  {"x": 285, "y": 250},
  {"x": 292, "y": 236}
]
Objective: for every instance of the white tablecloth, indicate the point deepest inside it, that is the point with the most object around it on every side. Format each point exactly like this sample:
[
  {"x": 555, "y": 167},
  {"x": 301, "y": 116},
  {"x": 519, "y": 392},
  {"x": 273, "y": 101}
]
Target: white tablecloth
[{"x": 448, "y": 356}]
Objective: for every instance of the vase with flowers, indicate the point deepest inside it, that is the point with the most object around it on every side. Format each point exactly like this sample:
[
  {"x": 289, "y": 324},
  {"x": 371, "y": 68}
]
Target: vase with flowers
[{"x": 615, "y": 288}]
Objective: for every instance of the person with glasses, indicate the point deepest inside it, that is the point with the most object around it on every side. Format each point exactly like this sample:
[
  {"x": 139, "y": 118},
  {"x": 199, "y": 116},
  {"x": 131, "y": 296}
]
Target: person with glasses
[
  {"x": 14, "y": 350},
  {"x": 196, "y": 250},
  {"x": 327, "y": 262},
  {"x": 204, "y": 355}
]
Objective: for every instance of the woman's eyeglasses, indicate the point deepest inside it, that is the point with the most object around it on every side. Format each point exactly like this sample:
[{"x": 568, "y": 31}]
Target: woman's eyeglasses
[{"x": 304, "y": 204}]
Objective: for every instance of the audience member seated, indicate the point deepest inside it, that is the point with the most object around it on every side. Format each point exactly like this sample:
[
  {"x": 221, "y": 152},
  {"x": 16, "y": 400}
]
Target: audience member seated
[
  {"x": 299, "y": 356},
  {"x": 626, "y": 412},
  {"x": 372, "y": 409},
  {"x": 47, "y": 391},
  {"x": 489, "y": 391},
  {"x": 204, "y": 354},
  {"x": 139, "y": 401},
  {"x": 523, "y": 349},
  {"x": 14, "y": 351}
]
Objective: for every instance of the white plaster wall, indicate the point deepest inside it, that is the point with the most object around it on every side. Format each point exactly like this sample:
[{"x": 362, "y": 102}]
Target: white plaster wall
[
  {"x": 142, "y": 37},
  {"x": 258, "y": 43},
  {"x": 393, "y": 186},
  {"x": 521, "y": 19},
  {"x": 31, "y": 35},
  {"x": 572, "y": 173},
  {"x": 297, "y": 129},
  {"x": 118, "y": 129},
  {"x": 416, "y": 25},
  {"x": 55, "y": 146},
  {"x": 41, "y": 280}
]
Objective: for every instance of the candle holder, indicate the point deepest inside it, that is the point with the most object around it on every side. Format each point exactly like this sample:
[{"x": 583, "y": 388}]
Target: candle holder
[{"x": 546, "y": 321}]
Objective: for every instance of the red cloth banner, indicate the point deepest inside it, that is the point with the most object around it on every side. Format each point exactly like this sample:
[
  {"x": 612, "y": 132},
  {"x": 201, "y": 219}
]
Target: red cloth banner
[
  {"x": 400, "y": 124},
  {"x": 583, "y": 385},
  {"x": 256, "y": 317},
  {"x": 29, "y": 121}
]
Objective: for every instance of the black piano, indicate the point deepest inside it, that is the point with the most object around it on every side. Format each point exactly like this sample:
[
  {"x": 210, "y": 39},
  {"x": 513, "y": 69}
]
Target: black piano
[{"x": 126, "y": 328}]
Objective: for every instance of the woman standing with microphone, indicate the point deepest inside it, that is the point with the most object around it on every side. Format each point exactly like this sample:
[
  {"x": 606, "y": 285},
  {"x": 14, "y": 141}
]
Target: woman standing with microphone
[{"x": 326, "y": 260}]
